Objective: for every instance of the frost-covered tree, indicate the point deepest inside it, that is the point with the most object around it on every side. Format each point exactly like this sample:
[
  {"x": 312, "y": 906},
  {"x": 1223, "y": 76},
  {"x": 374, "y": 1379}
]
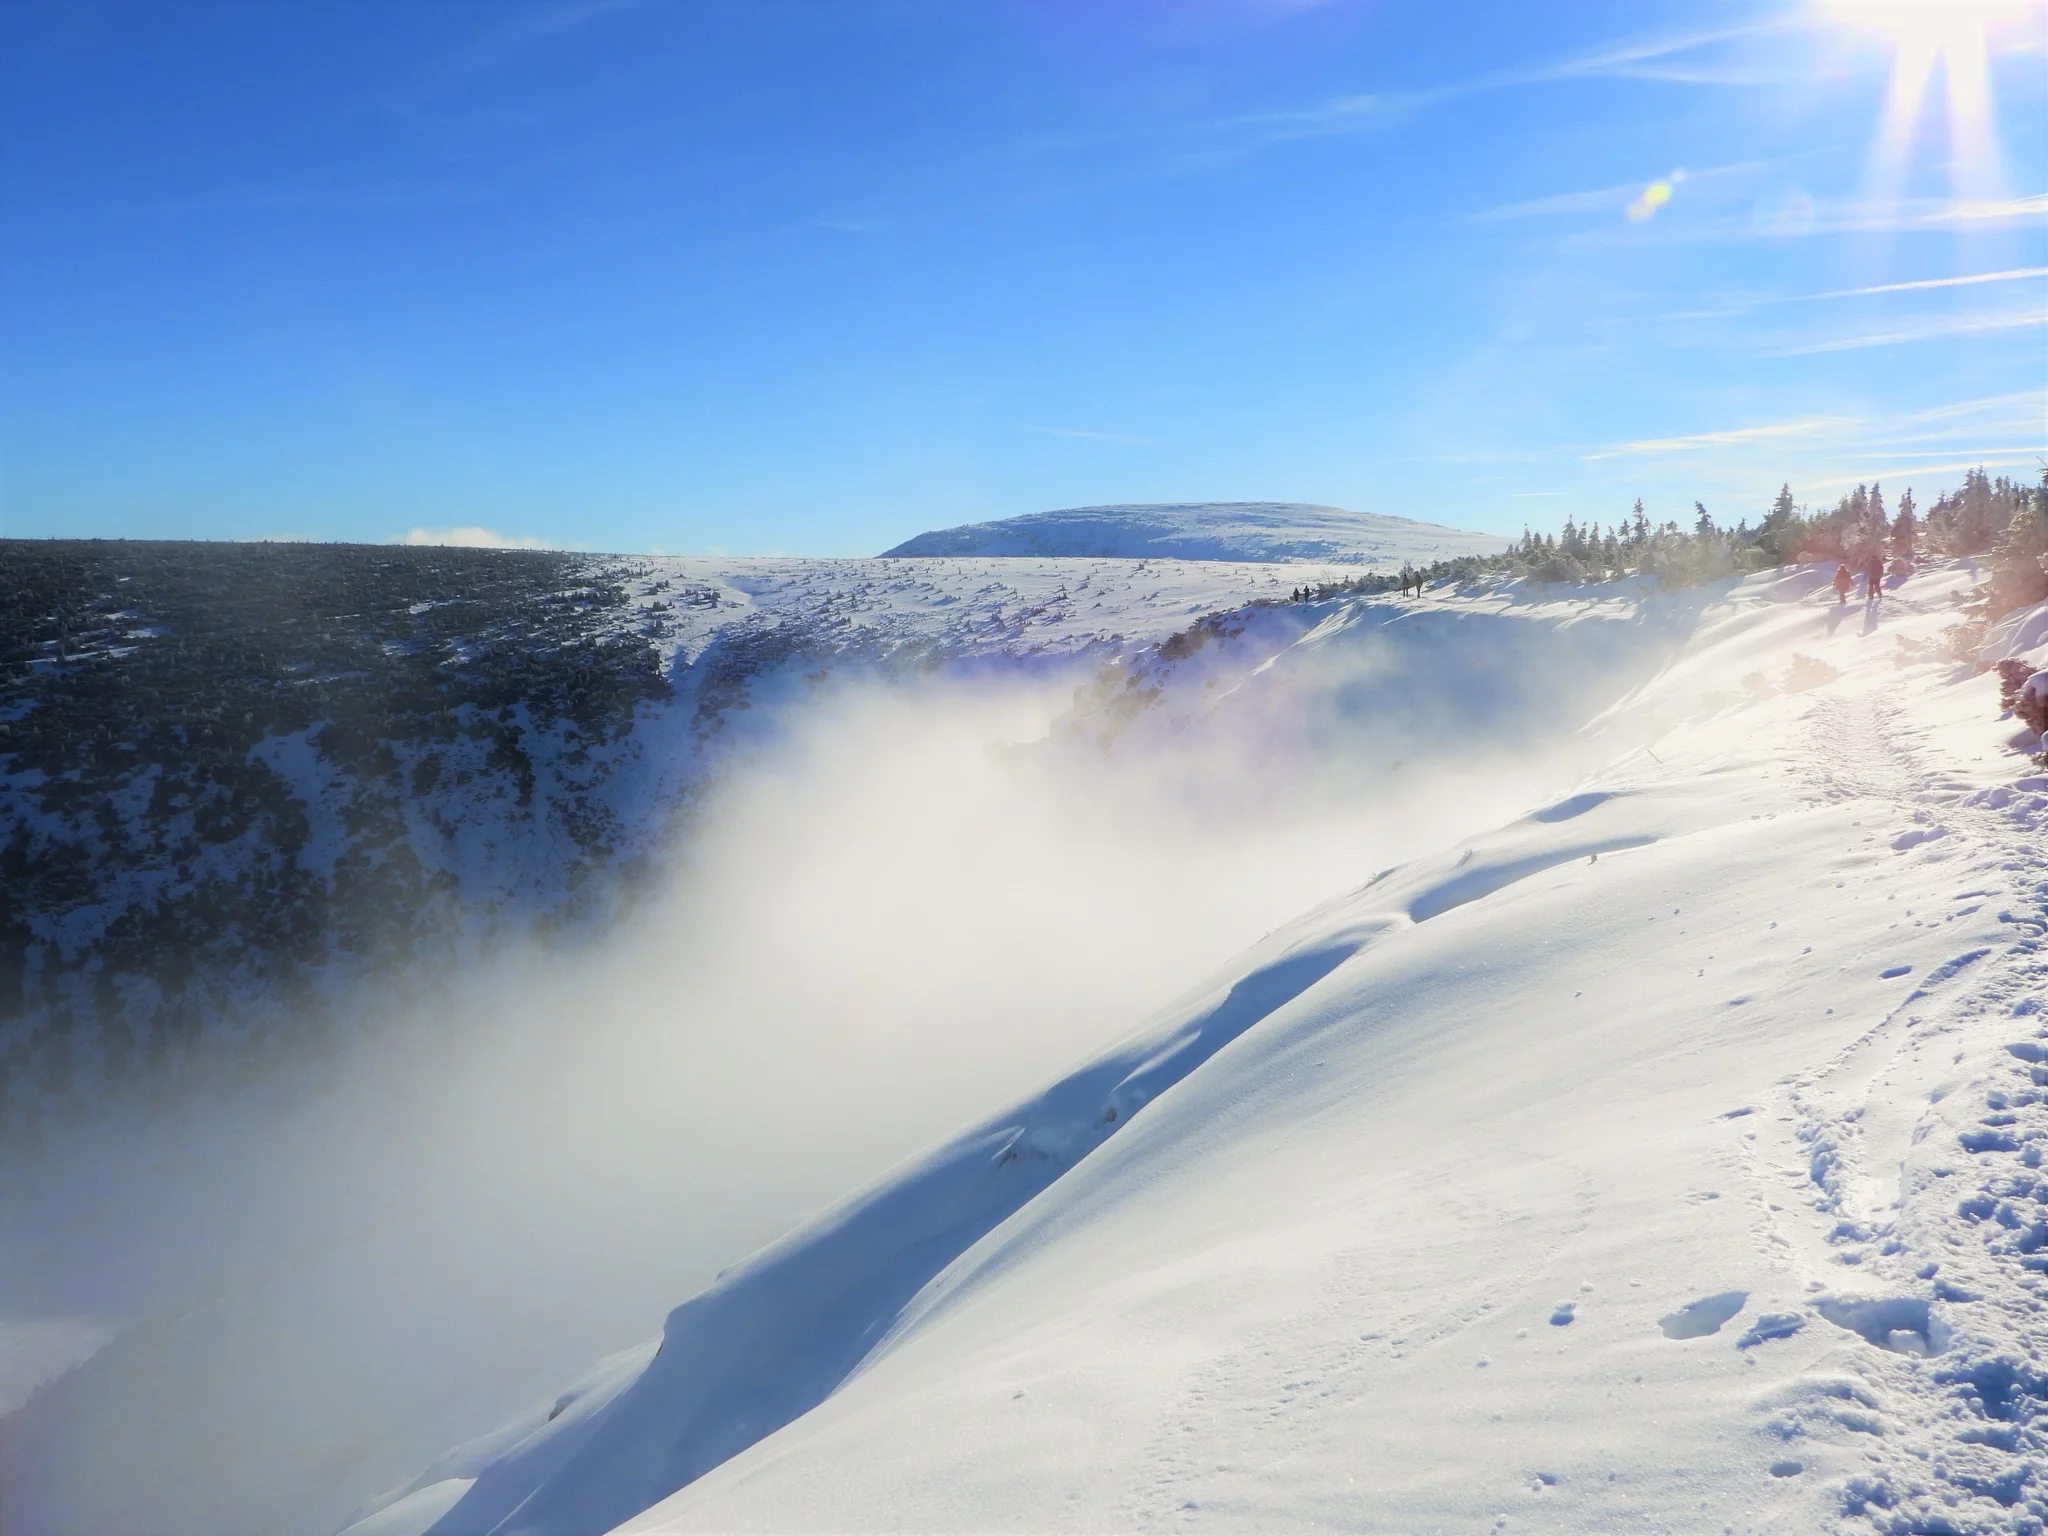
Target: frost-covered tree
[
  {"x": 1905, "y": 529},
  {"x": 2019, "y": 575},
  {"x": 1783, "y": 530},
  {"x": 1974, "y": 517}
]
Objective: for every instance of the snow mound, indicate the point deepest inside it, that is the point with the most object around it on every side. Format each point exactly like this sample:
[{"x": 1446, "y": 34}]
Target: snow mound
[{"x": 1261, "y": 532}]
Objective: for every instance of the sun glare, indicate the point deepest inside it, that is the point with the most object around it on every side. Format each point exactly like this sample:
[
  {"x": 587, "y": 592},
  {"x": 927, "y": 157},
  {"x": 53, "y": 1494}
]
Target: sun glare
[{"x": 1954, "y": 36}]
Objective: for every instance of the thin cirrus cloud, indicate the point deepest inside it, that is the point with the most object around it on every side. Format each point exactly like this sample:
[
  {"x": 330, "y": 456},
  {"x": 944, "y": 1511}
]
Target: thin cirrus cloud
[
  {"x": 1989, "y": 458},
  {"x": 1610, "y": 199},
  {"x": 532, "y": 25},
  {"x": 1933, "y": 328},
  {"x": 1814, "y": 216},
  {"x": 1355, "y": 112},
  {"x": 1096, "y": 437},
  {"x": 472, "y": 537},
  {"x": 2021, "y": 407},
  {"x": 1965, "y": 434},
  {"x": 1746, "y": 306},
  {"x": 1810, "y": 426},
  {"x": 1967, "y": 280},
  {"x": 1863, "y": 216}
]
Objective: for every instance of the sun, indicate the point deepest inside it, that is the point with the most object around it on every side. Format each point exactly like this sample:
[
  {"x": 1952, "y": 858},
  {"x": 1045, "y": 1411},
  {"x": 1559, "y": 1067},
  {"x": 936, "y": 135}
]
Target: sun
[{"x": 1955, "y": 37}]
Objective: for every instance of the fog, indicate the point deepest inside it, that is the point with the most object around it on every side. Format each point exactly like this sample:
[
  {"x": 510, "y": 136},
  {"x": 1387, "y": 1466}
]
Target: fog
[{"x": 904, "y": 907}]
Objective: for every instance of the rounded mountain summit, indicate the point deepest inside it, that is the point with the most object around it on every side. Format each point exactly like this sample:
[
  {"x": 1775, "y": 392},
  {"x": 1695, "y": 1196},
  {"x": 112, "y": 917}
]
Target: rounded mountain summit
[{"x": 1265, "y": 532}]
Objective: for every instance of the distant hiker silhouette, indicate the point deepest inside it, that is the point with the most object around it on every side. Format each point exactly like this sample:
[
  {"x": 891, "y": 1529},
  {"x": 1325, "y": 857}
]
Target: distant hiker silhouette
[
  {"x": 1843, "y": 582},
  {"x": 1873, "y": 578}
]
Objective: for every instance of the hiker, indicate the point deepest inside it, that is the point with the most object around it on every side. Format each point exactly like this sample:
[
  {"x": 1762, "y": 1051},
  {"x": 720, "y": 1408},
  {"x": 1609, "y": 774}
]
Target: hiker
[
  {"x": 1873, "y": 578},
  {"x": 1843, "y": 582}
]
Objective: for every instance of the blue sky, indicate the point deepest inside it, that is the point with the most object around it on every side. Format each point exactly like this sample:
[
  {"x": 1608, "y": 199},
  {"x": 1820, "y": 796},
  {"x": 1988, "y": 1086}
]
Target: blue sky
[{"x": 809, "y": 276}]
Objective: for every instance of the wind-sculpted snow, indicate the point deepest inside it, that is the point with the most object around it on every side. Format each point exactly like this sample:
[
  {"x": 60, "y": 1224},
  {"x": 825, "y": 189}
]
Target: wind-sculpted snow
[
  {"x": 1667, "y": 1156},
  {"x": 1266, "y": 531},
  {"x": 1608, "y": 1170},
  {"x": 776, "y": 1335}
]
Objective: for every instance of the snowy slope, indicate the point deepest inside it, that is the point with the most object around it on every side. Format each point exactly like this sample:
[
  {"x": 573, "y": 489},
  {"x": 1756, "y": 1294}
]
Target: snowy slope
[
  {"x": 229, "y": 1283},
  {"x": 1207, "y": 530},
  {"x": 1667, "y": 1158}
]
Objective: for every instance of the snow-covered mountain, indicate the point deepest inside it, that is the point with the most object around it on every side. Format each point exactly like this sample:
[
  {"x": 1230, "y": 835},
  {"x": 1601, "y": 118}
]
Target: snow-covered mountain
[
  {"x": 1264, "y": 531},
  {"x": 242, "y": 782},
  {"x": 1663, "y": 1154}
]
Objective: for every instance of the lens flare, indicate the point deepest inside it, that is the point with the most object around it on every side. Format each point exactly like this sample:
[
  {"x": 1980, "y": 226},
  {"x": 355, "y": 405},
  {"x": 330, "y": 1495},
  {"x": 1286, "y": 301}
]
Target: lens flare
[
  {"x": 1653, "y": 197},
  {"x": 1955, "y": 37}
]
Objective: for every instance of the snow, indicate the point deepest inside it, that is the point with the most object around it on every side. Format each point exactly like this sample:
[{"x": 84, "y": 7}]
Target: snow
[
  {"x": 1665, "y": 1156},
  {"x": 1209, "y": 530},
  {"x": 2020, "y": 635},
  {"x": 1440, "y": 1206}
]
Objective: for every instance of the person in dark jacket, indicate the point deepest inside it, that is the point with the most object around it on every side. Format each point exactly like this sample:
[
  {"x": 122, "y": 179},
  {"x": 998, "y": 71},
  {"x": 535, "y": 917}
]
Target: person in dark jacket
[
  {"x": 1873, "y": 578},
  {"x": 1843, "y": 582}
]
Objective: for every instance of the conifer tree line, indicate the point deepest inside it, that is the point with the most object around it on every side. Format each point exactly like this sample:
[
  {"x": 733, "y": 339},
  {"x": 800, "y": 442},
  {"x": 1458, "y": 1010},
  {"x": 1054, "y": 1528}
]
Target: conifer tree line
[{"x": 1999, "y": 519}]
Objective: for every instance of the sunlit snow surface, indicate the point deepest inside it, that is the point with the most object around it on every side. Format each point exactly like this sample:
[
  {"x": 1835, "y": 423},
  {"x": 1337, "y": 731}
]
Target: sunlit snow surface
[
  {"x": 1666, "y": 1157},
  {"x": 1377, "y": 1230}
]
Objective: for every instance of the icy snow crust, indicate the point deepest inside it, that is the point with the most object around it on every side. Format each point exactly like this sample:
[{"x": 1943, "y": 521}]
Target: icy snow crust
[
  {"x": 1208, "y": 530},
  {"x": 1669, "y": 1158}
]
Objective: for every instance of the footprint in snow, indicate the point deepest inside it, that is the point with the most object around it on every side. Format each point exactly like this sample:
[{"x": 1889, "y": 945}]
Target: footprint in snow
[
  {"x": 1697, "y": 1319},
  {"x": 1563, "y": 1314}
]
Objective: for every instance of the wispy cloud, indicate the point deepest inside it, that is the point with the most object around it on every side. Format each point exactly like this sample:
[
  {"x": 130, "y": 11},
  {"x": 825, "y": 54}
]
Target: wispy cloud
[
  {"x": 1732, "y": 308},
  {"x": 1629, "y": 57},
  {"x": 1354, "y": 112},
  {"x": 1810, "y": 426},
  {"x": 2027, "y": 402},
  {"x": 1875, "y": 216},
  {"x": 1794, "y": 215},
  {"x": 1099, "y": 437},
  {"x": 1989, "y": 458},
  {"x": 1610, "y": 199},
  {"x": 1980, "y": 210},
  {"x": 1977, "y": 454},
  {"x": 1932, "y": 328},
  {"x": 2012, "y": 275},
  {"x": 468, "y": 538},
  {"x": 540, "y": 23}
]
